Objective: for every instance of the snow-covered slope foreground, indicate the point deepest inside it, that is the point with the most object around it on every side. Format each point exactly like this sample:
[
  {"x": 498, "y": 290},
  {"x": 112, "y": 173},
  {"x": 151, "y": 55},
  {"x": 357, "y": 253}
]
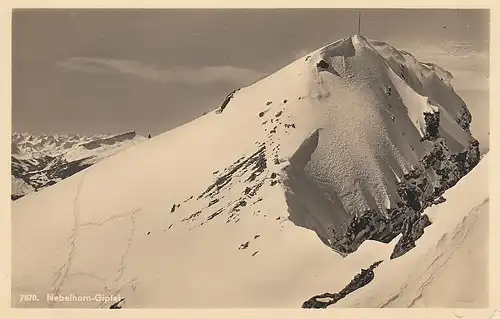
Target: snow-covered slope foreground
[
  {"x": 39, "y": 161},
  {"x": 449, "y": 265},
  {"x": 258, "y": 203}
]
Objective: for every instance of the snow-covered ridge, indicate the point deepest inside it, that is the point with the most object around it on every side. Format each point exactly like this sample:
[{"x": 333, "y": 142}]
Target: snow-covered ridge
[
  {"x": 370, "y": 162},
  {"x": 35, "y": 145},
  {"x": 109, "y": 141},
  {"x": 39, "y": 161},
  {"x": 326, "y": 166}
]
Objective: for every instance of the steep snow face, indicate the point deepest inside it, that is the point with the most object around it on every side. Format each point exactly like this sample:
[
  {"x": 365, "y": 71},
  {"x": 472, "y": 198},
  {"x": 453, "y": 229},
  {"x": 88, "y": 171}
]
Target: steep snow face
[
  {"x": 206, "y": 215},
  {"x": 377, "y": 113},
  {"x": 41, "y": 161}
]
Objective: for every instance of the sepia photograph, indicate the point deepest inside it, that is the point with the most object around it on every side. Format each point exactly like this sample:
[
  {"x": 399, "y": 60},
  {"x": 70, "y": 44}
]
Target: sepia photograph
[{"x": 250, "y": 158}]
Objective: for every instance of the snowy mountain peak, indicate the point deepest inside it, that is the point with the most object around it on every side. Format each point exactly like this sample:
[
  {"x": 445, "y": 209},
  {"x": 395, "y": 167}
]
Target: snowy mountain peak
[{"x": 351, "y": 143}]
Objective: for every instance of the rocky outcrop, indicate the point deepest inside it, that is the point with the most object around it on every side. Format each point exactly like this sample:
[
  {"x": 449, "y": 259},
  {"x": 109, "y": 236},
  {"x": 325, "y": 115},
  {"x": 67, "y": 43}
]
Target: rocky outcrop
[
  {"x": 360, "y": 280},
  {"x": 431, "y": 125},
  {"x": 257, "y": 159},
  {"x": 413, "y": 229},
  {"x": 416, "y": 193},
  {"x": 322, "y": 64},
  {"x": 110, "y": 140},
  {"x": 465, "y": 119},
  {"x": 117, "y": 305},
  {"x": 226, "y": 101}
]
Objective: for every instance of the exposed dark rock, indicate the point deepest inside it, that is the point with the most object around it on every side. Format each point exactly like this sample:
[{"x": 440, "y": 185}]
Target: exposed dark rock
[
  {"x": 322, "y": 64},
  {"x": 360, "y": 280},
  {"x": 192, "y": 216},
  {"x": 258, "y": 159},
  {"x": 285, "y": 100},
  {"x": 413, "y": 229},
  {"x": 226, "y": 101},
  {"x": 416, "y": 193},
  {"x": 242, "y": 203},
  {"x": 254, "y": 189},
  {"x": 465, "y": 119},
  {"x": 268, "y": 103},
  {"x": 214, "y": 214},
  {"x": 439, "y": 200},
  {"x": 431, "y": 126},
  {"x": 116, "y": 305},
  {"x": 213, "y": 202},
  {"x": 259, "y": 165},
  {"x": 255, "y": 253},
  {"x": 256, "y": 236},
  {"x": 244, "y": 246},
  {"x": 279, "y": 114},
  {"x": 148, "y": 232},
  {"x": 173, "y": 208}
]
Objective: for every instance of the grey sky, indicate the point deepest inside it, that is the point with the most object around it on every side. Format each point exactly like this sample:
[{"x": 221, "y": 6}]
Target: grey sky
[{"x": 90, "y": 71}]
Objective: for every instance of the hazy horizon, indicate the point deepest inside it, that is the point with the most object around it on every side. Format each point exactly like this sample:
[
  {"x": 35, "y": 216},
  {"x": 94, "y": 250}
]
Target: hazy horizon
[{"x": 95, "y": 71}]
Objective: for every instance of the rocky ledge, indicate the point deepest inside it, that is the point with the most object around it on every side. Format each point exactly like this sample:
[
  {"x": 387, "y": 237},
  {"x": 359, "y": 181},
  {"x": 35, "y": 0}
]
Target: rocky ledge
[
  {"x": 417, "y": 193},
  {"x": 360, "y": 280}
]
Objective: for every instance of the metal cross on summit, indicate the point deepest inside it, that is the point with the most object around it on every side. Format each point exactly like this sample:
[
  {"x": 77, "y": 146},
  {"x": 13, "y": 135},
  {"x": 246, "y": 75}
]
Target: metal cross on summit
[{"x": 359, "y": 23}]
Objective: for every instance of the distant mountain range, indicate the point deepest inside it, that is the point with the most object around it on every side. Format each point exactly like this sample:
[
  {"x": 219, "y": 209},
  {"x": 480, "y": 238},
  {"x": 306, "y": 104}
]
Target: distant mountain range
[{"x": 39, "y": 161}]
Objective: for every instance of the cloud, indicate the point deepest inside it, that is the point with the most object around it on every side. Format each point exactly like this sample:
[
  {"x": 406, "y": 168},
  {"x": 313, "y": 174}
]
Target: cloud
[
  {"x": 200, "y": 76},
  {"x": 469, "y": 67},
  {"x": 449, "y": 50}
]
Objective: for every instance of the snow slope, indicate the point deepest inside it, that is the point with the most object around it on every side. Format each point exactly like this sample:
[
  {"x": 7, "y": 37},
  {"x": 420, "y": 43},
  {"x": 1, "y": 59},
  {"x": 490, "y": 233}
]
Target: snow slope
[
  {"x": 449, "y": 266},
  {"x": 207, "y": 215}
]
